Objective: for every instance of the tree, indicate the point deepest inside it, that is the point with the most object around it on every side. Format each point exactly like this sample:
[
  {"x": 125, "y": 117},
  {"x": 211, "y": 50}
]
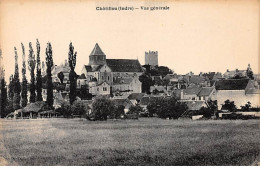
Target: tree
[
  {"x": 78, "y": 108},
  {"x": 17, "y": 85},
  {"x": 246, "y": 107},
  {"x": 3, "y": 101},
  {"x": 102, "y": 108},
  {"x": 229, "y": 105},
  {"x": 10, "y": 94},
  {"x": 250, "y": 73},
  {"x": 24, "y": 81},
  {"x": 72, "y": 76},
  {"x": 61, "y": 77},
  {"x": 49, "y": 64},
  {"x": 167, "y": 108},
  {"x": 31, "y": 66},
  {"x": 147, "y": 82},
  {"x": 38, "y": 73},
  {"x": 135, "y": 109}
]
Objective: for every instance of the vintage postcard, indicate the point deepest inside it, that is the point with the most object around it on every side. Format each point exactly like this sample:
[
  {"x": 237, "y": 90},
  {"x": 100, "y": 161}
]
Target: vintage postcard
[{"x": 129, "y": 83}]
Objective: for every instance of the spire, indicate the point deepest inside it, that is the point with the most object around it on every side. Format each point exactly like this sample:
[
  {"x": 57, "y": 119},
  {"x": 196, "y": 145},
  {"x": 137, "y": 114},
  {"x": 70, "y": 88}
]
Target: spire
[{"x": 97, "y": 50}]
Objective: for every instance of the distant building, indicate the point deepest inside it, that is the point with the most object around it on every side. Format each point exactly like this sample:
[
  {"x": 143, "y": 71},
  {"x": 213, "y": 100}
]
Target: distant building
[
  {"x": 238, "y": 90},
  {"x": 119, "y": 75},
  {"x": 151, "y": 58}
]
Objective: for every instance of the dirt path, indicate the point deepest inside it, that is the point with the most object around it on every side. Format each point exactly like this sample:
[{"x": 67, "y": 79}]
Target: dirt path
[{"x": 5, "y": 157}]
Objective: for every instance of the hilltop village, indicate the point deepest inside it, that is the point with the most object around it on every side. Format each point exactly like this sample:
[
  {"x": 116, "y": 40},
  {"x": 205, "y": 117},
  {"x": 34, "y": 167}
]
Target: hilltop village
[
  {"x": 127, "y": 80},
  {"x": 127, "y": 83}
]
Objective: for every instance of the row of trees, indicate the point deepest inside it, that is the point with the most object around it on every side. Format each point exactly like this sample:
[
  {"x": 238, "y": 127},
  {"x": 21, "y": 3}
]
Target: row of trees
[{"x": 17, "y": 95}]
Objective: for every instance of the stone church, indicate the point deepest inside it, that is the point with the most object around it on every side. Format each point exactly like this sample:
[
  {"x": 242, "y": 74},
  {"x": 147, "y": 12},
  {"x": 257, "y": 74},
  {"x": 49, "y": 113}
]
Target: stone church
[{"x": 118, "y": 75}]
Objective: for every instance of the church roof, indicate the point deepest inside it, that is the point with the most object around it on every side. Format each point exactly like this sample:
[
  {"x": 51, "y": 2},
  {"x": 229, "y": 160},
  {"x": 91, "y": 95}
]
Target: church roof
[
  {"x": 124, "y": 65},
  {"x": 90, "y": 68},
  {"x": 97, "y": 50}
]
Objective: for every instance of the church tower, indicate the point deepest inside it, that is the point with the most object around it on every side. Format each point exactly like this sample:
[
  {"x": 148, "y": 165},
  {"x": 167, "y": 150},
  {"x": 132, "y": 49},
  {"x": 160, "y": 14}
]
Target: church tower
[{"x": 97, "y": 56}]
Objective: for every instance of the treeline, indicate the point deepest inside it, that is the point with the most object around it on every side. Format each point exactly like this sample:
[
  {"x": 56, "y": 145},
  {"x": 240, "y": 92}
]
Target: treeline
[{"x": 15, "y": 95}]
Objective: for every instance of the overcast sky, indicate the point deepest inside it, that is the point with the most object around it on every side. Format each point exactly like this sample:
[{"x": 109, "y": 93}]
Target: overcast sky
[{"x": 198, "y": 36}]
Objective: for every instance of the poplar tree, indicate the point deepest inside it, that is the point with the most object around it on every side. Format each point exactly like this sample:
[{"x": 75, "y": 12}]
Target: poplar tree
[
  {"x": 31, "y": 66},
  {"x": 49, "y": 64},
  {"x": 3, "y": 101},
  {"x": 24, "y": 81},
  {"x": 72, "y": 75},
  {"x": 17, "y": 85},
  {"x": 38, "y": 73},
  {"x": 11, "y": 93}
]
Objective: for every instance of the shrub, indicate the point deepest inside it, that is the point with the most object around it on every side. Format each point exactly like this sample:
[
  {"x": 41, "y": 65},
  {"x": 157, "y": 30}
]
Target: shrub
[
  {"x": 229, "y": 105},
  {"x": 79, "y": 108},
  {"x": 135, "y": 110},
  {"x": 102, "y": 108},
  {"x": 167, "y": 108}
]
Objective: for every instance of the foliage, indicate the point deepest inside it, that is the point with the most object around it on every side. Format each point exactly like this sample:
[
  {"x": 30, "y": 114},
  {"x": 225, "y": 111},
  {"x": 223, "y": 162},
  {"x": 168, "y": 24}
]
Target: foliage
[
  {"x": 229, "y": 105},
  {"x": 78, "y": 108},
  {"x": 24, "y": 81},
  {"x": 65, "y": 109},
  {"x": 167, "y": 108},
  {"x": 72, "y": 76},
  {"x": 119, "y": 111},
  {"x": 38, "y": 73},
  {"x": 212, "y": 107},
  {"x": 49, "y": 64},
  {"x": 135, "y": 110},
  {"x": 247, "y": 107},
  {"x": 10, "y": 94},
  {"x": 31, "y": 66},
  {"x": 17, "y": 85},
  {"x": 250, "y": 73},
  {"x": 61, "y": 77},
  {"x": 102, "y": 108},
  {"x": 3, "y": 101},
  {"x": 147, "y": 82}
]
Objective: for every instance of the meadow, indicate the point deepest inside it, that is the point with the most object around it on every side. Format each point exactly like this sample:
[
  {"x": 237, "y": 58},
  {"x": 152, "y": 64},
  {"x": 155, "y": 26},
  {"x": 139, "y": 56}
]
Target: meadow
[{"x": 147, "y": 141}]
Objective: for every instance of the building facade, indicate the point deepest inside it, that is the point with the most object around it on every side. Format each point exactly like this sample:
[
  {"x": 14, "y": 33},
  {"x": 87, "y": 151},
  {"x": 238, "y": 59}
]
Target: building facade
[{"x": 151, "y": 58}]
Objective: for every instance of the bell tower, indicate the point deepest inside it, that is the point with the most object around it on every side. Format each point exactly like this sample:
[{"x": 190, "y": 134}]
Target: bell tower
[{"x": 97, "y": 56}]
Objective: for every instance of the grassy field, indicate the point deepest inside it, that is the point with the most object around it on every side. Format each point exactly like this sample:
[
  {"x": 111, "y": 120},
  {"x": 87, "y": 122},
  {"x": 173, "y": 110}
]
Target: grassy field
[{"x": 147, "y": 141}]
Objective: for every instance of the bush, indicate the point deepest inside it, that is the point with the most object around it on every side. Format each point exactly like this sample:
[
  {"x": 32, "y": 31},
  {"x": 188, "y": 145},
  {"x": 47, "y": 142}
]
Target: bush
[
  {"x": 135, "y": 110},
  {"x": 102, "y": 108},
  {"x": 229, "y": 105},
  {"x": 167, "y": 108},
  {"x": 65, "y": 109},
  {"x": 79, "y": 108},
  {"x": 119, "y": 111}
]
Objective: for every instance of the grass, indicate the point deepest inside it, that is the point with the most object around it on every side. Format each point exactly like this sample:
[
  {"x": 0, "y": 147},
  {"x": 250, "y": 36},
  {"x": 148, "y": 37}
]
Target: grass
[{"x": 147, "y": 141}]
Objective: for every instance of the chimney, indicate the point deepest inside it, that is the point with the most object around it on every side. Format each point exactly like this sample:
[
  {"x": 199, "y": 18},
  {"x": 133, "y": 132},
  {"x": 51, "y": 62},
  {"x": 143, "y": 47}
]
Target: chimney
[{"x": 181, "y": 95}]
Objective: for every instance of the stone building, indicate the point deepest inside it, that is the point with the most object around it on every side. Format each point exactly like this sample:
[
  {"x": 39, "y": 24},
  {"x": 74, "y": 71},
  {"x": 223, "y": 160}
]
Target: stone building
[
  {"x": 151, "y": 58},
  {"x": 106, "y": 70}
]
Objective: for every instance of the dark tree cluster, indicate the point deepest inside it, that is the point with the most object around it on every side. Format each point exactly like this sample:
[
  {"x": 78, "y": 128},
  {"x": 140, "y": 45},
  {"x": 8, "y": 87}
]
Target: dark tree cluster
[{"x": 168, "y": 107}]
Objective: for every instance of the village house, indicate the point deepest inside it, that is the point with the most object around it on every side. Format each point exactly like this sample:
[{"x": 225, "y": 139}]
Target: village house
[
  {"x": 238, "y": 90},
  {"x": 135, "y": 98}
]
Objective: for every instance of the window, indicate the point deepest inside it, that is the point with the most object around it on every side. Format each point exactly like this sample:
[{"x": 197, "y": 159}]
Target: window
[
  {"x": 104, "y": 88},
  {"x": 199, "y": 98},
  {"x": 107, "y": 77},
  {"x": 97, "y": 89}
]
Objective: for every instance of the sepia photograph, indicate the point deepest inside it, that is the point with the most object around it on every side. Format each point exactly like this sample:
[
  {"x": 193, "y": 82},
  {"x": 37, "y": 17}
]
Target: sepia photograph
[{"x": 129, "y": 83}]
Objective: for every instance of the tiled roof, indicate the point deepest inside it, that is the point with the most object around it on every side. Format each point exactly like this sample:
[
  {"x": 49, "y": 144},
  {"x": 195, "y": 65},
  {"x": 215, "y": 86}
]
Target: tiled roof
[
  {"x": 197, "y": 79},
  {"x": 231, "y": 84},
  {"x": 124, "y": 65},
  {"x": 205, "y": 91},
  {"x": 97, "y": 50},
  {"x": 89, "y": 68},
  {"x": 122, "y": 80},
  {"x": 82, "y": 76},
  {"x": 135, "y": 96},
  {"x": 191, "y": 91}
]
